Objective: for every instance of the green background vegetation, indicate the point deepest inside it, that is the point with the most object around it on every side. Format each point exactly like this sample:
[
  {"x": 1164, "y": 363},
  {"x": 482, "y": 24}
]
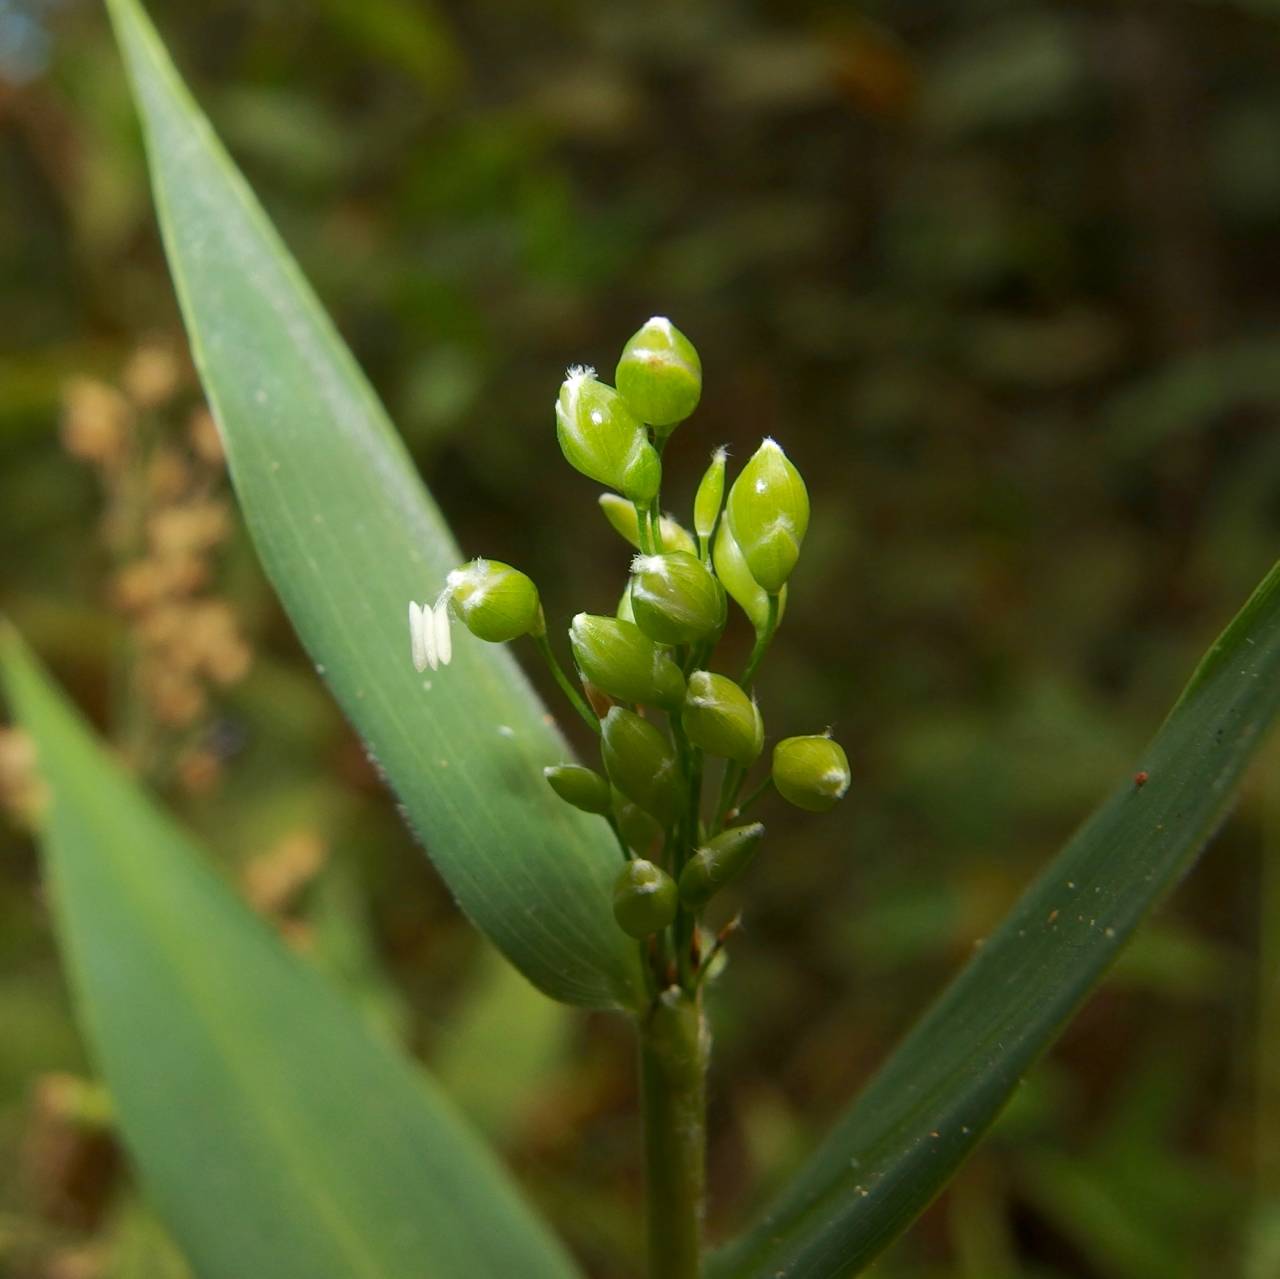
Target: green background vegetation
[{"x": 1003, "y": 277}]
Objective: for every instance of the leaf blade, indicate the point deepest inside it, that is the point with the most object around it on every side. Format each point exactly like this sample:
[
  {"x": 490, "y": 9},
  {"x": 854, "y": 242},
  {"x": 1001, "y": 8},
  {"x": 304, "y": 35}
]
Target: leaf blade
[
  {"x": 348, "y": 536},
  {"x": 914, "y": 1124},
  {"x": 274, "y": 1131}
]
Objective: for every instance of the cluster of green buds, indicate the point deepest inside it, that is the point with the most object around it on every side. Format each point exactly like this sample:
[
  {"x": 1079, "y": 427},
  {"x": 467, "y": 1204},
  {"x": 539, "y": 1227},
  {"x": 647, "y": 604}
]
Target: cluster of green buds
[{"x": 678, "y": 740}]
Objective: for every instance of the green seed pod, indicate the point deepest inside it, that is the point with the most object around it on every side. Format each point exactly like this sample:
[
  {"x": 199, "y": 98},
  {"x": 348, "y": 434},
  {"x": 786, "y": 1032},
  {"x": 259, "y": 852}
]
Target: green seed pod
[
  {"x": 621, "y": 660},
  {"x": 644, "y": 899},
  {"x": 602, "y": 438},
  {"x": 735, "y": 576},
  {"x": 709, "y": 497},
  {"x": 718, "y": 716},
  {"x": 676, "y": 599},
  {"x": 584, "y": 788},
  {"x": 494, "y": 601},
  {"x": 769, "y": 510},
  {"x": 641, "y": 763},
  {"x": 660, "y": 375},
  {"x": 639, "y": 831},
  {"x": 718, "y": 862},
  {"x": 622, "y": 515},
  {"x": 811, "y": 772}
]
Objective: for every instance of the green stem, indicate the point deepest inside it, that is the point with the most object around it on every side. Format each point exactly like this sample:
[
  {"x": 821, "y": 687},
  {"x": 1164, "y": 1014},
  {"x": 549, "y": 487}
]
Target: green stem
[
  {"x": 617, "y": 834},
  {"x": 642, "y": 529},
  {"x": 580, "y": 704},
  {"x": 729, "y": 784},
  {"x": 687, "y": 841},
  {"x": 655, "y": 511},
  {"x": 673, "y": 1067},
  {"x": 755, "y": 795},
  {"x": 762, "y": 644}
]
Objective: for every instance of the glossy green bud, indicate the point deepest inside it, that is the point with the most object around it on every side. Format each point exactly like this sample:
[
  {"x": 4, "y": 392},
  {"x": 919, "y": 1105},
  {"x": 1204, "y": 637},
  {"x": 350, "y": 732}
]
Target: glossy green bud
[
  {"x": 735, "y": 576},
  {"x": 644, "y": 899},
  {"x": 676, "y": 598},
  {"x": 602, "y": 438},
  {"x": 718, "y": 716},
  {"x": 660, "y": 375},
  {"x": 584, "y": 788},
  {"x": 718, "y": 862},
  {"x": 494, "y": 601},
  {"x": 621, "y": 660},
  {"x": 638, "y": 829},
  {"x": 769, "y": 510},
  {"x": 811, "y": 772},
  {"x": 641, "y": 763},
  {"x": 622, "y": 515},
  {"x": 709, "y": 497}
]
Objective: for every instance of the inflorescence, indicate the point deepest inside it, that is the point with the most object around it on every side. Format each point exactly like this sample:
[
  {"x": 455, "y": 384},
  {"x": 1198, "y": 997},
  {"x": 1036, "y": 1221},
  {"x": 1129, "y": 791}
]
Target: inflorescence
[{"x": 645, "y": 686}]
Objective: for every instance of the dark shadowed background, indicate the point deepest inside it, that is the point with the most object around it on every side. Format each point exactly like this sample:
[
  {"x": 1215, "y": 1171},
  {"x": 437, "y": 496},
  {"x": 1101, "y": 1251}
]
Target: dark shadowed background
[{"x": 1004, "y": 278}]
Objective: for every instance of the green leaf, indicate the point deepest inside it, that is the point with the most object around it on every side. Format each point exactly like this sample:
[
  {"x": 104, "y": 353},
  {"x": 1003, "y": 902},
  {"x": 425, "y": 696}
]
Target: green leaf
[
  {"x": 349, "y": 536},
  {"x": 927, "y": 1107},
  {"x": 275, "y": 1133}
]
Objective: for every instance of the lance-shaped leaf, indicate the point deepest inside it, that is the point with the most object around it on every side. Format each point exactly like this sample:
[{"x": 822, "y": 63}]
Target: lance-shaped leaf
[
  {"x": 922, "y": 1113},
  {"x": 275, "y": 1132},
  {"x": 349, "y": 536}
]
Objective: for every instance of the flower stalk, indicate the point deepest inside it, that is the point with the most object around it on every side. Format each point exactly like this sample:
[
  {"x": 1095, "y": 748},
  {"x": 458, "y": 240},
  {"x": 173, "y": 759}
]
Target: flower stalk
[{"x": 674, "y": 1048}]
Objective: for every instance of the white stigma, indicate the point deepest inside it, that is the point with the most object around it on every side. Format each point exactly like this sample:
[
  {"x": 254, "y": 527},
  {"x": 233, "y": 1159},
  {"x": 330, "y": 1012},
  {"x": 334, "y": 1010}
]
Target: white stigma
[
  {"x": 571, "y": 390},
  {"x": 477, "y": 575},
  {"x": 661, "y": 323},
  {"x": 835, "y": 781},
  {"x": 650, "y": 564}
]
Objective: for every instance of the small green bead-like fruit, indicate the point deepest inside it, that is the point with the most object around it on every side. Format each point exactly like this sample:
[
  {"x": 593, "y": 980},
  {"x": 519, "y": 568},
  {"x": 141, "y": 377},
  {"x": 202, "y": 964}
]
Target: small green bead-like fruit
[
  {"x": 811, "y": 772},
  {"x": 622, "y": 515},
  {"x": 622, "y": 661},
  {"x": 584, "y": 788},
  {"x": 494, "y": 601},
  {"x": 641, "y": 763},
  {"x": 718, "y": 862},
  {"x": 644, "y": 899},
  {"x": 602, "y": 438},
  {"x": 735, "y": 576},
  {"x": 718, "y": 716},
  {"x": 676, "y": 598},
  {"x": 709, "y": 497},
  {"x": 660, "y": 375},
  {"x": 769, "y": 510}
]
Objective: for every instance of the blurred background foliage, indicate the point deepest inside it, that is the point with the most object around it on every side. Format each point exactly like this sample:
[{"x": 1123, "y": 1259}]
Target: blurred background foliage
[{"x": 1004, "y": 276}]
